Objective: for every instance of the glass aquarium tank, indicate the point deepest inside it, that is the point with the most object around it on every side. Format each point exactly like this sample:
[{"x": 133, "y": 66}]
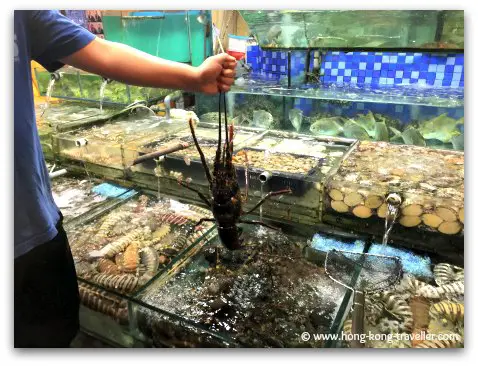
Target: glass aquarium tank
[
  {"x": 409, "y": 115},
  {"x": 120, "y": 247},
  {"x": 104, "y": 143},
  {"x": 74, "y": 84},
  {"x": 264, "y": 295},
  {"x": 78, "y": 195},
  {"x": 357, "y": 29},
  {"x": 66, "y": 115}
]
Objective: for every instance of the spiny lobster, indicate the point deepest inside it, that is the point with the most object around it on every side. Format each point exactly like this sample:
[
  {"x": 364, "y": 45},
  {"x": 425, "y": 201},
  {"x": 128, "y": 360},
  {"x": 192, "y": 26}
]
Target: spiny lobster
[{"x": 226, "y": 203}]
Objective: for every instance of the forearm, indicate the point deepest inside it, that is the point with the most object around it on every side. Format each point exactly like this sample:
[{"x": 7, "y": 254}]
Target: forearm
[{"x": 126, "y": 64}]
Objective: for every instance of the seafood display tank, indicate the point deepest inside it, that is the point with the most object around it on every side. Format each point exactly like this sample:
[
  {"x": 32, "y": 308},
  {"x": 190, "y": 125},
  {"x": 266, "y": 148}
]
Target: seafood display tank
[{"x": 369, "y": 169}]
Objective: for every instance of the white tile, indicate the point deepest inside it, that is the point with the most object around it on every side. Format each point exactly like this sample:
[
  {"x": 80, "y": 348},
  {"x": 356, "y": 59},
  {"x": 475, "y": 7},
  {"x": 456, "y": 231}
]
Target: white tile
[
  {"x": 399, "y": 74},
  {"x": 440, "y": 76},
  {"x": 341, "y": 65},
  {"x": 368, "y": 80},
  {"x": 441, "y": 68},
  {"x": 328, "y": 65},
  {"x": 409, "y": 59},
  {"x": 432, "y": 68},
  {"x": 334, "y": 72},
  {"x": 377, "y": 66},
  {"x": 458, "y": 68},
  {"x": 382, "y": 81},
  {"x": 386, "y": 59},
  {"x": 456, "y": 77},
  {"x": 340, "y": 79},
  {"x": 393, "y": 59},
  {"x": 450, "y": 61},
  {"x": 362, "y": 66},
  {"x": 406, "y": 81},
  {"x": 390, "y": 81},
  {"x": 415, "y": 74},
  {"x": 437, "y": 82},
  {"x": 422, "y": 82},
  {"x": 353, "y": 80},
  {"x": 455, "y": 83},
  {"x": 347, "y": 72}
]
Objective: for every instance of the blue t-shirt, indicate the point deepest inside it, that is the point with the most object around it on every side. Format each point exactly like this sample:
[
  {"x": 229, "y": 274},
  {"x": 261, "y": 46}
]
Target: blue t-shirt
[{"x": 46, "y": 37}]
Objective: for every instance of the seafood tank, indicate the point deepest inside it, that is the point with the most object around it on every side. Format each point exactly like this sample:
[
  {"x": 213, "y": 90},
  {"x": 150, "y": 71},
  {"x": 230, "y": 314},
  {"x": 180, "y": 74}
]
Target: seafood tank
[
  {"x": 264, "y": 295},
  {"x": 63, "y": 115},
  {"x": 410, "y": 115},
  {"x": 121, "y": 247},
  {"x": 103, "y": 144},
  {"x": 417, "y": 307},
  {"x": 364, "y": 29},
  {"x": 76, "y": 196},
  {"x": 70, "y": 83}
]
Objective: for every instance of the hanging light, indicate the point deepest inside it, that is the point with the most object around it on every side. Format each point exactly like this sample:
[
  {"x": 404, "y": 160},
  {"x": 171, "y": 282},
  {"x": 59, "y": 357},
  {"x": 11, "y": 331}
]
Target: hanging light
[{"x": 202, "y": 18}]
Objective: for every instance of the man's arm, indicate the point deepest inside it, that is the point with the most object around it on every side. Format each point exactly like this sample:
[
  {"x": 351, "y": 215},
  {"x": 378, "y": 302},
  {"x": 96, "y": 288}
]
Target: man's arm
[{"x": 120, "y": 62}]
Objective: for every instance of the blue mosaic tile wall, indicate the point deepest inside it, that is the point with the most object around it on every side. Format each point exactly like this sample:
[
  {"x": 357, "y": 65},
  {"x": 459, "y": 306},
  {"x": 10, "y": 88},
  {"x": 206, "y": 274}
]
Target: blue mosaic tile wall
[
  {"x": 273, "y": 64},
  {"x": 393, "y": 68},
  {"x": 367, "y": 68}
]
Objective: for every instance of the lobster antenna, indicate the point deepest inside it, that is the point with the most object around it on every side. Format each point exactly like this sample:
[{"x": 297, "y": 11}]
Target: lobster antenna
[
  {"x": 225, "y": 121},
  {"x": 218, "y": 151}
]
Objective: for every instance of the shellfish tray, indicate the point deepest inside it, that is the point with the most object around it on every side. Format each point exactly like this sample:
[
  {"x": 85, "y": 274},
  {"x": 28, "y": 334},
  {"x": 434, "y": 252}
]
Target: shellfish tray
[
  {"x": 415, "y": 305},
  {"x": 263, "y": 295},
  {"x": 120, "y": 250},
  {"x": 303, "y": 172},
  {"x": 206, "y": 140}
]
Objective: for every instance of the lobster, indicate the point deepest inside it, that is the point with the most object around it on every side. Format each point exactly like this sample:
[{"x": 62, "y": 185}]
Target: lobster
[{"x": 226, "y": 199}]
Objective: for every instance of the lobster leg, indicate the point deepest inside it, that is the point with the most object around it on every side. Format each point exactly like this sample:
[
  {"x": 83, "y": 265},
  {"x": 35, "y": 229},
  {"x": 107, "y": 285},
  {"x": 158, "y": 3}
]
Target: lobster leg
[
  {"x": 255, "y": 222},
  {"x": 201, "y": 154},
  {"x": 202, "y": 196},
  {"x": 204, "y": 219},
  {"x": 266, "y": 197}
]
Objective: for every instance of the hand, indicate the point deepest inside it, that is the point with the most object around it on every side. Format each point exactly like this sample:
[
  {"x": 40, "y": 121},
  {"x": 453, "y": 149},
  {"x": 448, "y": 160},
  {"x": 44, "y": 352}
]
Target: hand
[{"x": 216, "y": 74}]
